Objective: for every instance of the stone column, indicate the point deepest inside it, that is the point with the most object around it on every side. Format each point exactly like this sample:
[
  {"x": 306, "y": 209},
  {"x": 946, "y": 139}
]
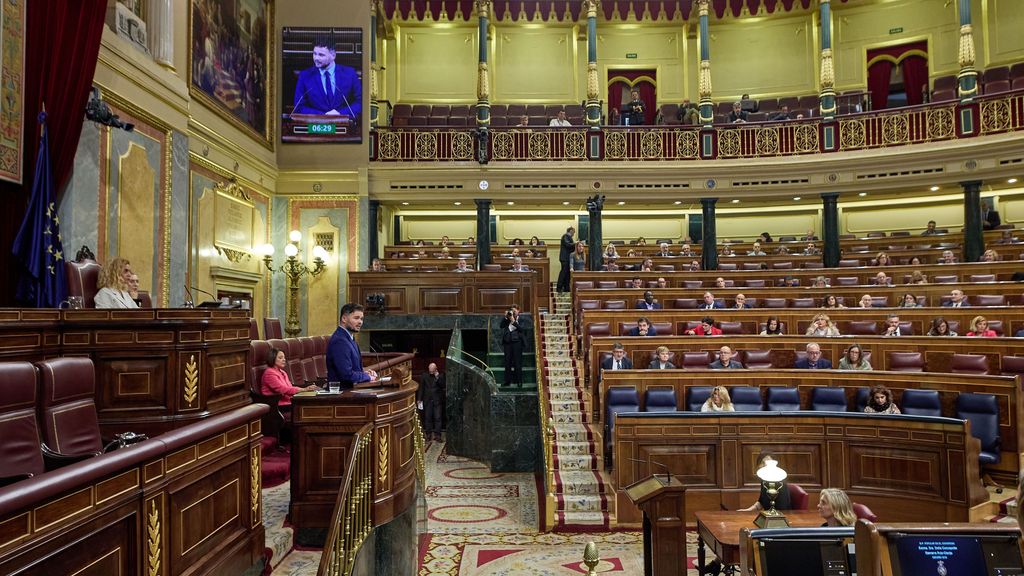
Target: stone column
[
  {"x": 160, "y": 27},
  {"x": 827, "y": 98},
  {"x": 483, "y": 88},
  {"x": 483, "y": 232},
  {"x": 593, "y": 86},
  {"x": 974, "y": 235},
  {"x": 709, "y": 244},
  {"x": 374, "y": 67},
  {"x": 707, "y": 107},
  {"x": 595, "y": 238},
  {"x": 968, "y": 77},
  {"x": 372, "y": 236},
  {"x": 830, "y": 229}
]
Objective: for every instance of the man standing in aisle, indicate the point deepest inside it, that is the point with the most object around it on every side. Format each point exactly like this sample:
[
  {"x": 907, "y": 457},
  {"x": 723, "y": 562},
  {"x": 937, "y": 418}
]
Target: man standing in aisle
[
  {"x": 344, "y": 361},
  {"x": 430, "y": 397},
  {"x": 512, "y": 341},
  {"x": 565, "y": 250}
]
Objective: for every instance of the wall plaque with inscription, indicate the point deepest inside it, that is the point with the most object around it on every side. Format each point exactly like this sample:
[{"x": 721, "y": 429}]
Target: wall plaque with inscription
[{"x": 234, "y": 221}]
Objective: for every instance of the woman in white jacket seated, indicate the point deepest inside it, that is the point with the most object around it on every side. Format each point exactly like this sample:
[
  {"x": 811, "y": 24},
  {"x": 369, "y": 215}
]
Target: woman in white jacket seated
[{"x": 113, "y": 285}]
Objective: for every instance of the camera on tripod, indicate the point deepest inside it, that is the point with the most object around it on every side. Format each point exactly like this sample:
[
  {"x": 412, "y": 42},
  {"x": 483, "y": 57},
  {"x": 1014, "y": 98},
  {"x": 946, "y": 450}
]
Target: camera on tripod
[{"x": 375, "y": 302}]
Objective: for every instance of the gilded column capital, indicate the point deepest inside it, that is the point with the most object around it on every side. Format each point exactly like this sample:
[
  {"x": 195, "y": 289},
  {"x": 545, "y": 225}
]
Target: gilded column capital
[
  {"x": 704, "y": 80},
  {"x": 591, "y": 7},
  {"x": 483, "y": 87},
  {"x": 966, "y": 52},
  {"x": 592, "y": 83},
  {"x": 483, "y": 8},
  {"x": 825, "y": 1},
  {"x": 702, "y": 8},
  {"x": 828, "y": 77}
]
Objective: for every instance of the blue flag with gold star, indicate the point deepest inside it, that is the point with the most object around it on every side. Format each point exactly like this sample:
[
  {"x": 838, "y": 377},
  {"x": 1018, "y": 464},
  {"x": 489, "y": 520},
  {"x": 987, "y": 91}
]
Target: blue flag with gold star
[{"x": 38, "y": 246}]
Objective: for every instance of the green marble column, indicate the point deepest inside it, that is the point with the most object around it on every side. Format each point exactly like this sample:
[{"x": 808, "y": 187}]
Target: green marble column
[
  {"x": 974, "y": 235},
  {"x": 595, "y": 238},
  {"x": 709, "y": 244},
  {"x": 830, "y": 229},
  {"x": 483, "y": 232},
  {"x": 827, "y": 98},
  {"x": 968, "y": 77},
  {"x": 706, "y": 107}
]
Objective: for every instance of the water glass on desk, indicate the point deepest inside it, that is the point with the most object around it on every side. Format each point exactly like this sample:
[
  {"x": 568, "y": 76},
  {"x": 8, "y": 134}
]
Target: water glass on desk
[{"x": 334, "y": 387}]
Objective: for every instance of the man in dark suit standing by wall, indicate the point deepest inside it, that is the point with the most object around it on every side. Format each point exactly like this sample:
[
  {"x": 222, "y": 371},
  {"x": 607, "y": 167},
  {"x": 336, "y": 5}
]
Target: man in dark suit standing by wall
[
  {"x": 565, "y": 249},
  {"x": 990, "y": 219},
  {"x": 512, "y": 341},
  {"x": 328, "y": 88},
  {"x": 430, "y": 398},
  {"x": 344, "y": 361}
]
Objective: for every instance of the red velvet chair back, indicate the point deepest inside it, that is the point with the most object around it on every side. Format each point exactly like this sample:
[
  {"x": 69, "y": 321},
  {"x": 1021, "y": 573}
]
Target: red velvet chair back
[
  {"x": 82, "y": 278},
  {"x": 797, "y": 497},
  {"x": 272, "y": 328},
  {"x": 254, "y": 329},
  {"x": 68, "y": 406},
  {"x": 862, "y": 511},
  {"x": 19, "y": 450}
]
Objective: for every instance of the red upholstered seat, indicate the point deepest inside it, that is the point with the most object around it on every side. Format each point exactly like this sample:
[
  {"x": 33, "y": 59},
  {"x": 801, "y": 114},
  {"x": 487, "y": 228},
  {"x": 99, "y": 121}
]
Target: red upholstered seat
[
  {"x": 1012, "y": 365},
  {"x": 82, "y": 278},
  {"x": 757, "y": 359},
  {"x": 969, "y": 364},
  {"x": 906, "y": 362},
  {"x": 254, "y": 329},
  {"x": 584, "y": 284},
  {"x": 695, "y": 361},
  {"x": 754, "y": 283},
  {"x": 71, "y": 425},
  {"x": 847, "y": 281},
  {"x": 272, "y": 328},
  {"x": 20, "y": 456},
  {"x": 693, "y": 283},
  {"x": 802, "y": 303},
  {"x": 797, "y": 497},
  {"x": 685, "y": 303},
  {"x": 774, "y": 303},
  {"x": 730, "y": 327},
  {"x": 663, "y": 328},
  {"x": 615, "y": 305},
  {"x": 945, "y": 279},
  {"x": 607, "y": 284},
  {"x": 862, "y": 511},
  {"x": 849, "y": 263},
  {"x": 989, "y": 300},
  {"x": 982, "y": 278},
  {"x": 590, "y": 304}
]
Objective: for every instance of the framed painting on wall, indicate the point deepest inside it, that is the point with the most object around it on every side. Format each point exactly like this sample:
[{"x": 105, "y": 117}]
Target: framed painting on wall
[{"x": 231, "y": 66}]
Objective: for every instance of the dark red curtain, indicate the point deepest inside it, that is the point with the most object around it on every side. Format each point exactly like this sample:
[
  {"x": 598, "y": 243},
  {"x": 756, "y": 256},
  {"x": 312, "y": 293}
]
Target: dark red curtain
[
  {"x": 879, "y": 75},
  {"x": 915, "y": 78},
  {"x": 62, "y": 42},
  {"x": 648, "y": 91}
]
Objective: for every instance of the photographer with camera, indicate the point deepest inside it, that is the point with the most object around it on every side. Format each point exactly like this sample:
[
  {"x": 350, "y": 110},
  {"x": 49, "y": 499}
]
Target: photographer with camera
[{"x": 512, "y": 341}]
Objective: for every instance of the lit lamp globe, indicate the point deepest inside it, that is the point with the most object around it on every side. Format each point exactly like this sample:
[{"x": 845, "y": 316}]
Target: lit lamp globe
[
  {"x": 295, "y": 236},
  {"x": 291, "y": 250},
  {"x": 319, "y": 253},
  {"x": 771, "y": 477},
  {"x": 267, "y": 249}
]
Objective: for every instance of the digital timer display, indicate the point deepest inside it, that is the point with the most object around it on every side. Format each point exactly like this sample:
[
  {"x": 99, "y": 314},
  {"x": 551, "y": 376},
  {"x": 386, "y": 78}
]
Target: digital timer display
[{"x": 320, "y": 128}]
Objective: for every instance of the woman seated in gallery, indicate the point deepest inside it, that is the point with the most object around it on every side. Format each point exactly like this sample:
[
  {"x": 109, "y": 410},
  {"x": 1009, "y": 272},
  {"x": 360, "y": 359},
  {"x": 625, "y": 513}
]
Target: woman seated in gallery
[
  {"x": 881, "y": 401},
  {"x": 835, "y": 508},
  {"x": 764, "y": 502},
  {"x": 113, "y": 285},
  {"x": 275, "y": 380},
  {"x": 719, "y": 401}
]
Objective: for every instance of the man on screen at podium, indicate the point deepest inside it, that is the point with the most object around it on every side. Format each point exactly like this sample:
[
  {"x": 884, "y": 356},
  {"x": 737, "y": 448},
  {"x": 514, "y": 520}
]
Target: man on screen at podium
[
  {"x": 344, "y": 361},
  {"x": 328, "y": 88}
]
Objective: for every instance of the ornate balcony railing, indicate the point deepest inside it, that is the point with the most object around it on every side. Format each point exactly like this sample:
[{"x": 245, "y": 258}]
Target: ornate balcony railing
[{"x": 940, "y": 121}]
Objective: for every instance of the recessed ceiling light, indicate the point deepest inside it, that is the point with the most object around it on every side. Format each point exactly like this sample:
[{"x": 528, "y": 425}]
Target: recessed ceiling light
[
  {"x": 511, "y": 203},
  {"x": 735, "y": 200},
  {"x": 862, "y": 194},
  {"x": 796, "y": 198},
  {"x": 678, "y": 202},
  {"x": 934, "y": 188},
  {"x": 457, "y": 203},
  {"x": 566, "y": 203},
  {"x": 405, "y": 203},
  {"x": 622, "y": 202},
  {"x": 1011, "y": 181}
]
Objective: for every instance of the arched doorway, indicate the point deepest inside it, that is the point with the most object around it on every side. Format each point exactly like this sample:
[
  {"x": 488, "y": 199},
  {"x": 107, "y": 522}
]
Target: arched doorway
[
  {"x": 621, "y": 82},
  {"x": 898, "y": 75}
]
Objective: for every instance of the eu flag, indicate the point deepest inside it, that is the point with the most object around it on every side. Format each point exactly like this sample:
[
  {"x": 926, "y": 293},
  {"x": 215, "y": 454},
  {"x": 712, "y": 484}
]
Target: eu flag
[{"x": 38, "y": 245}]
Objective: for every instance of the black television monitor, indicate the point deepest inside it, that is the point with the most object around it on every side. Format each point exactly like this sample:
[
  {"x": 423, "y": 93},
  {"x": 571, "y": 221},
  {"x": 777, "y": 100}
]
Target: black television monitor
[
  {"x": 805, "y": 552},
  {"x": 952, "y": 554}
]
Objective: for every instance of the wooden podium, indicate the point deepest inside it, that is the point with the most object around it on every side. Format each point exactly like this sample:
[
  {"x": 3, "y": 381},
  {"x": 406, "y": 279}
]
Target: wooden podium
[{"x": 662, "y": 499}]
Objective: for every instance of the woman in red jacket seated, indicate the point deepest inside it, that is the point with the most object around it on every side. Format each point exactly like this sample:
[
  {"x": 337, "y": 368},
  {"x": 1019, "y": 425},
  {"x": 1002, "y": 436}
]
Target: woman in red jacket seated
[
  {"x": 275, "y": 380},
  {"x": 979, "y": 327}
]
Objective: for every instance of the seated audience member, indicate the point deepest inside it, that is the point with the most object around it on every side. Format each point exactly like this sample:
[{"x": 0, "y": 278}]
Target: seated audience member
[
  {"x": 979, "y": 327},
  {"x": 882, "y": 259},
  {"x": 727, "y": 250},
  {"x": 781, "y": 250},
  {"x": 446, "y": 252},
  {"x": 517, "y": 242},
  {"x": 956, "y": 300},
  {"x": 611, "y": 266},
  {"x": 989, "y": 216},
  {"x": 866, "y": 301},
  {"x": 709, "y": 302},
  {"x": 792, "y": 281},
  {"x": 741, "y": 302},
  {"x": 275, "y": 380},
  {"x": 518, "y": 266},
  {"x": 694, "y": 266},
  {"x": 719, "y": 401},
  {"x": 918, "y": 277},
  {"x": 684, "y": 250},
  {"x": 377, "y": 265},
  {"x": 113, "y": 285},
  {"x": 1006, "y": 238},
  {"x": 133, "y": 289},
  {"x": 813, "y": 361},
  {"x": 515, "y": 253},
  {"x": 560, "y": 120},
  {"x": 688, "y": 113},
  {"x": 772, "y": 327},
  {"x": 811, "y": 250},
  {"x": 720, "y": 282},
  {"x": 462, "y": 266},
  {"x": 780, "y": 115},
  {"x": 636, "y": 282},
  {"x": 909, "y": 301},
  {"x": 989, "y": 255},
  {"x": 930, "y": 230},
  {"x": 706, "y": 328},
  {"x": 618, "y": 360},
  {"x": 854, "y": 359},
  {"x": 470, "y": 241},
  {"x": 756, "y": 250},
  {"x": 630, "y": 253},
  {"x": 881, "y": 401},
  {"x": 749, "y": 105},
  {"x": 947, "y": 257},
  {"x": 766, "y": 238},
  {"x": 647, "y": 265},
  {"x": 643, "y": 328},
  {"x": 649, "y": 303},
  {"x": 665, "y": 252},
  {"x": 800, "y": 116},
  {"x": 445, "y": 241},
  {"x": 725, "y": 360},
  {"x": 661, "y": 362},
  {"x": 835, "y": 508},
  {"x": 578, "y": 258},
  {"x": 892, "y": 325},
  {"x": 524, "y": 121},
  {"x": 822, "y": 327},
  {"x": 809, "y": 236},
  {"x": 610, "y": 251},
  {"x": 832, "y": 302},
  {"x": 662, "y": 283},
  {"x": 641, "y": 241},
  {"x": 940, "y": 327},
  {"x": 820, "y": 282},
  {"x": 764, "y": 502},
  {"x": 738, "y": 115},
  {"x": 534, "y": 241},
  {"x": 915, "y": 261},
  {"x": 881, "y": 279}
]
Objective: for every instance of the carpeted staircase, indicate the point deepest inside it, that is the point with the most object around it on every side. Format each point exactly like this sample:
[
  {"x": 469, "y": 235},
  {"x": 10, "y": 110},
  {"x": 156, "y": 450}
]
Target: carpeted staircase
[
  {"x": 580, "y": 494},
  {"x": 275, "y": 462}
]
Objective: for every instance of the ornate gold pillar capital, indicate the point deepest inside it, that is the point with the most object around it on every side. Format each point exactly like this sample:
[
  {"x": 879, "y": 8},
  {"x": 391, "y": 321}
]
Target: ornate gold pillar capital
[
  {"x": 702, "y": 7},
  {"x": 483, "y": 87},
  {"x": 966, "y": 52},
  {"x": 591, "y": 7},
  {"x": 483, "y": 8},
  {"x": 704, "y": 80},
  {"x": 828, "y": 76}
]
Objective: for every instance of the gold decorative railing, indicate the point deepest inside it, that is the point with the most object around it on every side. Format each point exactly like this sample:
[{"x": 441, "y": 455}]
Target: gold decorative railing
[
  {"x": 420, "y": 448},
  {"x": 950, "y": 120},
  {"x": 352, "y": 518}
]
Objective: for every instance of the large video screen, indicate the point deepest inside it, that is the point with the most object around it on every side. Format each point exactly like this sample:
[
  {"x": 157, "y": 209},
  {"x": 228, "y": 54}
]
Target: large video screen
[
  {"x": 322, "y": 97},
  {"x": 956, "y": 555}
]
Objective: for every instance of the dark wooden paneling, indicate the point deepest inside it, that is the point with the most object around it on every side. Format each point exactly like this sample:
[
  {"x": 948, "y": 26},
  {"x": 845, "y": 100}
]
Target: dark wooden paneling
[
  {"x": 449, "y": 292},
  {"x": 440, "y": 300}
]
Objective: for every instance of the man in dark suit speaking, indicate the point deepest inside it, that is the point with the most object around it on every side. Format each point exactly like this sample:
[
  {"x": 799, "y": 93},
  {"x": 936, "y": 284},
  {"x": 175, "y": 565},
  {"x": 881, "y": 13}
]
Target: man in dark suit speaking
[
  {"x": 344, "y": 361},
  {"x": 327, "y": 88}
]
